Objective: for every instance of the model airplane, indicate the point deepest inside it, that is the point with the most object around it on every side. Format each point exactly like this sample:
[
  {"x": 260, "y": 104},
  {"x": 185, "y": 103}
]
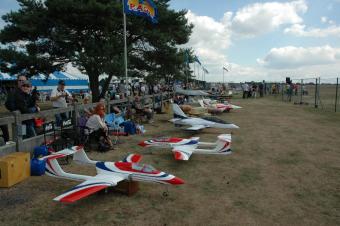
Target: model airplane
[
  {"x": 183, "y": 148},
  {"x": 213, "y": 103},
  {"x": 108, "y": 173},
  {"x": 217, "y": 107},
  {"x": 198, "y": 123}
]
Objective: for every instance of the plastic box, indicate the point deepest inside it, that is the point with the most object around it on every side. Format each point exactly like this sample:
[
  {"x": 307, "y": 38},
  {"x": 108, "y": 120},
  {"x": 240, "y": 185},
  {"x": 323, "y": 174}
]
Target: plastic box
[{"x": 14, "y": 168}]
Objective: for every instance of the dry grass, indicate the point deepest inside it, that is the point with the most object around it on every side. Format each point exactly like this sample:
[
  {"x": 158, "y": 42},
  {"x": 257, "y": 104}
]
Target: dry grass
[{"x": 284, "y": 171}]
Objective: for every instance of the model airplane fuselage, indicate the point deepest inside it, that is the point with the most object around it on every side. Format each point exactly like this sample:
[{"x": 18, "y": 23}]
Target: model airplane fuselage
[
  {"x": 108, "y": 173},
  {"x": 183, "y": 148},
  {"x": 199, "y": 123},
  {"x": 213, "y": 103}
]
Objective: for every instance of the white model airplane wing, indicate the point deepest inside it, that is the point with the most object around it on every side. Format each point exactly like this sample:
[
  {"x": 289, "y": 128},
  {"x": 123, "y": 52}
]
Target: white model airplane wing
[
  {"x": 183, "y": 152},
  {"x": 196, "y": 127},
  {"x": 89, "y": 187}
]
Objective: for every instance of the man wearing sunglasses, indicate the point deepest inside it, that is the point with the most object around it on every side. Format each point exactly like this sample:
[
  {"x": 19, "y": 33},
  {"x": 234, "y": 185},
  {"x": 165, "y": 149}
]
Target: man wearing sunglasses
[
  {"x": 26, "y": 103},
  {"x": 10, "y": 104}
]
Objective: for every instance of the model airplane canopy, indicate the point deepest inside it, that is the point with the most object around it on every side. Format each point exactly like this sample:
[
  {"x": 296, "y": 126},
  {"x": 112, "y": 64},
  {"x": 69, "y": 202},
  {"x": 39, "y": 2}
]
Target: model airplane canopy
[
  {"x": 180, "y": 118},
  {"x": 109, "y": 174},
  {"x": 183, "y": 148}
]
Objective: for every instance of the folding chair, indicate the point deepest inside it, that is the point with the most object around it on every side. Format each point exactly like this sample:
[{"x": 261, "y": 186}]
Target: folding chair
[{"x": 112, "y": 121}]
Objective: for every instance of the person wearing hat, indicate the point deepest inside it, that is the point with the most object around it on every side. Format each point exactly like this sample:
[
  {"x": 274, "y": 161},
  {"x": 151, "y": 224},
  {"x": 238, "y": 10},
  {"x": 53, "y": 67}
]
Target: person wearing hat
[
  {"x": 26, "y": 103},
  {"x": 59, "y": 97}
]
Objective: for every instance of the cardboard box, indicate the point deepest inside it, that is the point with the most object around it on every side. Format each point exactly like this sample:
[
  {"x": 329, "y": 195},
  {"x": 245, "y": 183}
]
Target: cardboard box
[
  {"x": 14, "y": 168},
  {"x": 128, "y": 188}
]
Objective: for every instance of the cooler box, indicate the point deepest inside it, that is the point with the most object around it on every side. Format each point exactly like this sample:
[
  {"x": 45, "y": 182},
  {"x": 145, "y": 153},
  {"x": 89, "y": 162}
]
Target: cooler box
[{"x": 14, "y": 168}]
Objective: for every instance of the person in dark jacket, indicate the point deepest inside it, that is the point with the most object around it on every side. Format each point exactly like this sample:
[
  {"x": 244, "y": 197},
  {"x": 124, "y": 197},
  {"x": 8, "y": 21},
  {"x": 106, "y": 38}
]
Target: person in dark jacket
[{"x": 26, "y": 103}]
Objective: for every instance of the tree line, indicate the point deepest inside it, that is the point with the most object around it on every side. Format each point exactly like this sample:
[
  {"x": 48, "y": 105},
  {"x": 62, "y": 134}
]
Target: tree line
[{"x": 45, "y": 35}]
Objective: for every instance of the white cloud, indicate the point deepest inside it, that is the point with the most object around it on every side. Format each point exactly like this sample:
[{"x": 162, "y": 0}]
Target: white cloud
[
  {"x": 297, "y": 57},
  {"x": 261, "y": 18},
  {"x": 300, "y": 30},
  {"x": 210, "y": 40},
  {"x": 324, "y": 19}
]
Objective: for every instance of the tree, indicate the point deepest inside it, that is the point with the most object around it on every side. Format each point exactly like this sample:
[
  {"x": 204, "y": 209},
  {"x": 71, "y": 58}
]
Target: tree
[{"x": 43, "y": 36}]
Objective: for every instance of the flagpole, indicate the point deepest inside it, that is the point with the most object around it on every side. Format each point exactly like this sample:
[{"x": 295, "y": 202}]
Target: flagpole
[
  {"x": 125, "y": 50},
  {"x": 223, "y": 74}
]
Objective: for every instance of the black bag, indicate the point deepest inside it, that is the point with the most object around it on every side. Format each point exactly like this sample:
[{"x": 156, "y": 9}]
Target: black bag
[
  {"x": 10, "y": 102},
  {"x": 103, "y": 146}
]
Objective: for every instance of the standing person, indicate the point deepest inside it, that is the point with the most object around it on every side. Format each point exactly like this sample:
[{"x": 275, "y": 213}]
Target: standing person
[
  {"x": 261, "y": 89},
  {"x": 59, "y": 97},
  {"x": 10, "y": 103},
  {"x": 250, "y": 89},
  {"x": 254, "y": 90},
  {"x": 26, "y": 103},
  {"x": 245, "y": 88}
]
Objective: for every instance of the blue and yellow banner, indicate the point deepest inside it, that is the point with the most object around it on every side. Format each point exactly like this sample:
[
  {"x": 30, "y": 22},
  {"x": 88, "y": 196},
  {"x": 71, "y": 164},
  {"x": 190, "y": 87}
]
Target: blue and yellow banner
[{"x": 145, "y": 8}]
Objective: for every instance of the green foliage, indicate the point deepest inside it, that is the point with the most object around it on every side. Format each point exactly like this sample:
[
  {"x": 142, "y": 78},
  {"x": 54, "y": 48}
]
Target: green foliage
[{"x": 43, "y": 36}]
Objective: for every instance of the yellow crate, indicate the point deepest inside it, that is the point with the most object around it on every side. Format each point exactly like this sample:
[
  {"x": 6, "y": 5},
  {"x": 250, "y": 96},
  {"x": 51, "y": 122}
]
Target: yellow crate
[{"x": 14, "y": 168}]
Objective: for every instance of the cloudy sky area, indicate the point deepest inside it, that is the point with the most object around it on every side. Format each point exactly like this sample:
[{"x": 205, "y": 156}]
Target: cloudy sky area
[
  {"x": 265, "y": 39},
  {"x": 260, "y": 40}
]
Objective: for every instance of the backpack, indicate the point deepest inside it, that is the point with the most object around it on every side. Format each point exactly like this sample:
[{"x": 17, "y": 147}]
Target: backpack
[
  {"x": 10, "y": 102},
  {"x": 129, "y": 127}
]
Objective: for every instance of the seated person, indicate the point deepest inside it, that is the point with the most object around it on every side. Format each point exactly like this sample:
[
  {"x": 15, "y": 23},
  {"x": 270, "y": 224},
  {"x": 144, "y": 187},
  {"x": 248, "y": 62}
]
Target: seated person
[
  {"x": 97, "y": 127},
  {"x": 140, "y": 108}
]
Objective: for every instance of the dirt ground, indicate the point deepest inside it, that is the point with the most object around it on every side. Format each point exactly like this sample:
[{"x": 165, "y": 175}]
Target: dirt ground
[{"x": 284, "y": 170}]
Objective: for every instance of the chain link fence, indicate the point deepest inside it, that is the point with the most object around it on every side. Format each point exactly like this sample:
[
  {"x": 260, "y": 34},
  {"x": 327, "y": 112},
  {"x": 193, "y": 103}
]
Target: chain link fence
[{"x": 322, "y": 93}]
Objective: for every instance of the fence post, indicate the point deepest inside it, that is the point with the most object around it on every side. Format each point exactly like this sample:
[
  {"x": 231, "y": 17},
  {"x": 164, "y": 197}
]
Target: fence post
[
  {"x": 75, "y": 116},
  {"x": 316, "y": 93},
  {"x": 336, "y": 93},
  {"x": 18, "y": 130},
  {"x": 108, "y": 106},
  {"x": 161, "y": 102},
  {"x": 282, "y": 85},
  {"x": 153, "y": 101},
  {"x": 301, "y": 90}
]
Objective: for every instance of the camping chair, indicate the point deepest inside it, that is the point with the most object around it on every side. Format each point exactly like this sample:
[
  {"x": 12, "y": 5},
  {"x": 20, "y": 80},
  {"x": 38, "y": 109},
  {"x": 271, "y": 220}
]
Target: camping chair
[
  {"x": 56, "y": 143},
  {"x": 113, "y": 123}
]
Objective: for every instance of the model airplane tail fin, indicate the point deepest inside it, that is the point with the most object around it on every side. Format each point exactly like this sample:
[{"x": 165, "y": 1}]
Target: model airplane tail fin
[
  {"x": 52, "y": 166},
  {"x": 223, "y": 144},
  {"x": 81, "y": 157},
  {"x": 178, "y": 113}
]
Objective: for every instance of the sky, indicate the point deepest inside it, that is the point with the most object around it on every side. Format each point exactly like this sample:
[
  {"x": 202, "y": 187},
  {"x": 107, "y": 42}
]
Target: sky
[{"x": 259, "y": 40}]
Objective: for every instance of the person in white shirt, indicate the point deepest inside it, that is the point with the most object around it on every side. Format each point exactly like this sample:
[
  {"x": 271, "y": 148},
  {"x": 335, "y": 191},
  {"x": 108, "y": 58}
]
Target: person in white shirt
[
  {"x": 59, "y": 98},
  {"x": 97, "y": 126}
]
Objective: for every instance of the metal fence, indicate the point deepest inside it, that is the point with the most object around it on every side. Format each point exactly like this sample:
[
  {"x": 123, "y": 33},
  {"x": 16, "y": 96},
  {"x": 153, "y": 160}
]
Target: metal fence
[
  {"x": 15, "y": 121},
  {"x": 321, "y": 93}
]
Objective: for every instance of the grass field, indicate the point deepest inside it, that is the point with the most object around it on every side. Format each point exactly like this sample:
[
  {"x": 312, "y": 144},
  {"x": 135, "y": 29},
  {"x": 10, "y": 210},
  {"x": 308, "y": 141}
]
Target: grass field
[{"x": 285, "y": 170}]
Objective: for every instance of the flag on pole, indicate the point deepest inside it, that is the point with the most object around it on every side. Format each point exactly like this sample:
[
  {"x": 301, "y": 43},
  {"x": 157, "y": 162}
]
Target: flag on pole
[
  {"x": 197, "y": 60},
  {"x": 225, "y": 69},
  {"x": 205, "y": 70},
  {"x": 144, "y": 8}
]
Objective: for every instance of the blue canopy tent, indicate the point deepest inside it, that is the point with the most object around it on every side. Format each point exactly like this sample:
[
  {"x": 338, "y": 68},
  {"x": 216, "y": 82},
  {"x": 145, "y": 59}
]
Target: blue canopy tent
[{"x": 73, "y": 83}]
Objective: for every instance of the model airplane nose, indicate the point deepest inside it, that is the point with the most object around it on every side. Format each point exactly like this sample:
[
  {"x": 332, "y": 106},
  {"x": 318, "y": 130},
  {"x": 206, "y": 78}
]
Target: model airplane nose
[
  {"x": 142, "y": 144},
  {"x": 233, "y": 126},
  {"x": 176, "y": 181}
]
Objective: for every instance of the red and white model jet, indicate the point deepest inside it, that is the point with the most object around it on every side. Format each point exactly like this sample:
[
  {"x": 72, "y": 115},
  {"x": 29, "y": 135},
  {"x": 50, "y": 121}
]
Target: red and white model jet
[
  {"x": 224, "y": 107},
  {"x": 183, "y": 148},
  {"x": 108, "y": 173}
]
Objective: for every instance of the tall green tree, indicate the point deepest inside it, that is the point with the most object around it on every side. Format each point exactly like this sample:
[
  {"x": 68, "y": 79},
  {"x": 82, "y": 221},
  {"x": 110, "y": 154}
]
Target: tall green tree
[{"x": 45, "y": 35}]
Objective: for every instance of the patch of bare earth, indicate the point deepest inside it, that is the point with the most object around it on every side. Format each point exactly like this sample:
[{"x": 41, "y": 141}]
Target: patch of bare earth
[{"x": 285, "y": 170}]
